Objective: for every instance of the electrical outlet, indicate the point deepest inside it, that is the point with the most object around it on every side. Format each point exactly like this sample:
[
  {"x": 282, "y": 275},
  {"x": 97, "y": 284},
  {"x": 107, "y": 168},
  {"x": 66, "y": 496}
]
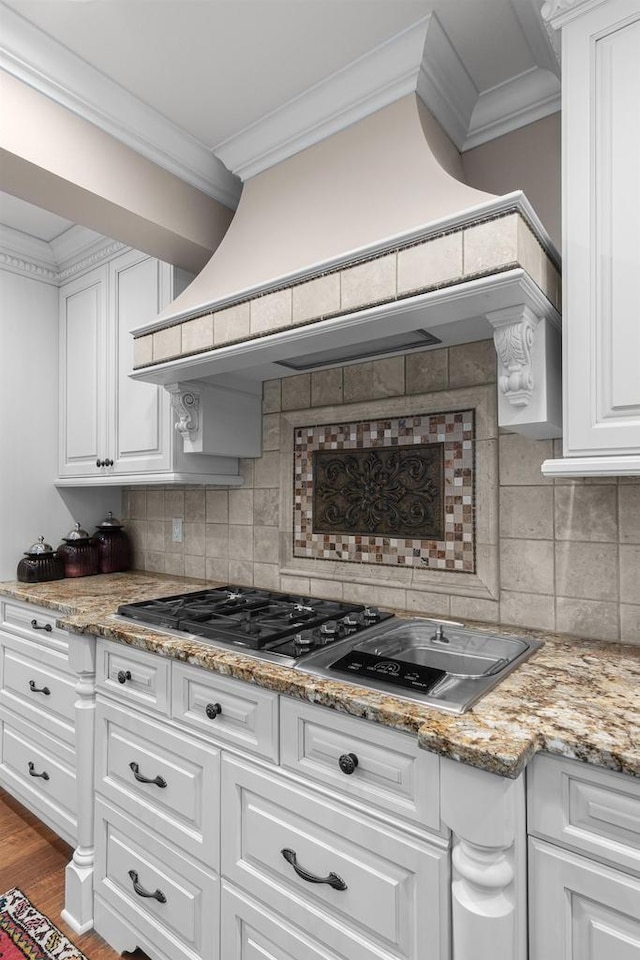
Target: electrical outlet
[{"x": 176, "y": 530}]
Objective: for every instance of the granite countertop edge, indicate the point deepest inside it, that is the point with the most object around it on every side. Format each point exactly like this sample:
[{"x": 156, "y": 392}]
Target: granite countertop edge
[{"x": 574, "y": 698}]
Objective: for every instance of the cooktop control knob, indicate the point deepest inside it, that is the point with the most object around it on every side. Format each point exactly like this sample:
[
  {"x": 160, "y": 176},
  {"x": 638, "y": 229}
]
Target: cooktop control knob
[
  {"x": 303, "y": 641},
  {"x": 350, "y": 621},
  {"x": 329, "y": 629},
  {"x": 371, "y": 614}
]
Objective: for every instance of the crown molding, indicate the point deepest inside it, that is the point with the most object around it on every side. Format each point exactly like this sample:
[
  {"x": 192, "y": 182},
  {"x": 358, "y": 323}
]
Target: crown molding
[
  {"x": 522, "y": 100},
  {"x": 559, "y": 12},
  {"x": 371, "y": 82},
  {"x": 444, "y": 85},
  {"x": 73, "y": 253},
  {"x": 541, "y": 37},
  {"x": 28, "y": 54}
]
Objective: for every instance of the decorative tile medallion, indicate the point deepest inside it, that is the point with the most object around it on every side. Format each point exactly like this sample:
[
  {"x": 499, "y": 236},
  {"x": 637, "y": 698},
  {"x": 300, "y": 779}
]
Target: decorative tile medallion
[{"x": 396, "y": 491}]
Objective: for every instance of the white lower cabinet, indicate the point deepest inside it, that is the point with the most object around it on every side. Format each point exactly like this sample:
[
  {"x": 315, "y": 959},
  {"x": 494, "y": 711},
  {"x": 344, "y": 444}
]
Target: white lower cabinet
[{"x": 584, "y": 862}]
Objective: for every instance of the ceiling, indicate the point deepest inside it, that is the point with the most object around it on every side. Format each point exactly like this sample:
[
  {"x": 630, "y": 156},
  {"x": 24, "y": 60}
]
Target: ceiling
[{"x": 197, "y": 84}]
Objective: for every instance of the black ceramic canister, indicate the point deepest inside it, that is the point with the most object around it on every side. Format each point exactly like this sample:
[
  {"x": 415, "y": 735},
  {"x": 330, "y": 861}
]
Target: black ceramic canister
[
  {"x": 114, "y": 547},
  {"x": 40, "y": 564},
  {"x": 79, "y": 553}
]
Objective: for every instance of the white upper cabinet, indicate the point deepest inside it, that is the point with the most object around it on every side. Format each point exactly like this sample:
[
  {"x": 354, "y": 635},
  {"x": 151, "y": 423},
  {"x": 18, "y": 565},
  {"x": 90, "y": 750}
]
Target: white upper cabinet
[
  {"x": 114, "y": 429},
  {"x": 601, "y": 255}
]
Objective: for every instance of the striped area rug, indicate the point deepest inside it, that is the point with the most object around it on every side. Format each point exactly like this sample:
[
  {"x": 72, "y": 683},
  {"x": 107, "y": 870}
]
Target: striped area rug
[{"x": 27, "y": 933}]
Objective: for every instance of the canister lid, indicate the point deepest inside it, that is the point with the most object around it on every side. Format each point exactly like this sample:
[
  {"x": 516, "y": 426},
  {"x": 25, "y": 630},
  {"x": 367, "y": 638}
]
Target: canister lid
[
  {"x": 76, "y": 534},
  {"x": 38, "y": 548},
  {"x": 110, "y": 522}
]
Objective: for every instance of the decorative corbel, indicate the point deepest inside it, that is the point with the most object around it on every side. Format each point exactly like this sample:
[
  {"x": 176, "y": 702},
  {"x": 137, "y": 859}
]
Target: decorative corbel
[
  {"x": 513, "y": 334},
  {"x": 186, "y": 405}
]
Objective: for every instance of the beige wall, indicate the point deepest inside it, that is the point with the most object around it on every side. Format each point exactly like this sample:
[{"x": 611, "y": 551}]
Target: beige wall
[
  {"x": 569, "y": 551},
  {"x": 527, "y": 159}
]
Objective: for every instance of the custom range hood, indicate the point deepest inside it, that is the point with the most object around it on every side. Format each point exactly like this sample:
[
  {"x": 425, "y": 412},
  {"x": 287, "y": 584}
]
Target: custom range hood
[{"x": 366, "y": 244}]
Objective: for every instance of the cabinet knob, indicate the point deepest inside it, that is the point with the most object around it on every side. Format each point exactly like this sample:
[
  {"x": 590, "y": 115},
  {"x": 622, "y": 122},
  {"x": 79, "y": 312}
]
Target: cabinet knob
[
  {"x": 213, "y": 710},
  {"x": 124, "y": 675},
  {"x": 107, "y": 462},
  {"x": 348, "y": 763}
]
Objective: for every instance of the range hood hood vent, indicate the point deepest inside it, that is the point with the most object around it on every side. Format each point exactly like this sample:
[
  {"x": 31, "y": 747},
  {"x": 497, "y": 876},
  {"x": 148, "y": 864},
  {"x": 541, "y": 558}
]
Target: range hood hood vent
[{"x": 349, "y": 247}]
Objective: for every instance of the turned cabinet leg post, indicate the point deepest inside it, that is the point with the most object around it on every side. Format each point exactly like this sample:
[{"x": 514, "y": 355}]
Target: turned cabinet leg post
[
  {"x": 78, "y": 910},
  {"x": 486, "y": 815}
]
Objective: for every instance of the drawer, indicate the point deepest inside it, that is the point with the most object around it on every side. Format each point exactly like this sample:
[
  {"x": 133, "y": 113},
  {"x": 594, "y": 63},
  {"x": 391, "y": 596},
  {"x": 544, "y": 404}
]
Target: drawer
[
  {"x": 592, "y": 810},
  {"x": 183, "y": 805},
  {"x": 35, "y": 623},
  {"x": 182, "y": 920},
  {"x": 134, "y": 676},
  {"x": 392, "y": 772},
  {"x": 225, "y": 710},
  {"x": 395, "y": 897},
  {"x": 24, "y": 755},
  {"x": 33, "y": 687},
  {"x": 251, "y": 932}
]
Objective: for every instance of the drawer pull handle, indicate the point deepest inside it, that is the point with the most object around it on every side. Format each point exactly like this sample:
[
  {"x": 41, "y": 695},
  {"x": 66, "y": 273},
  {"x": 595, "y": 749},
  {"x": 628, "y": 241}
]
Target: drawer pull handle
[
  {"x": 348, "y": 763},
  {"x": 124, "y": 675},
  {"x": 36, "y": 626},
  {"x": 333, "y": 879},
  {"x": 159, "y": 781},
  {"x": 156, "y": 895},
  {"x": 32, "y": 772},
  {"x": 213, "y": 710},
  {"x": 34, "y": 689}
]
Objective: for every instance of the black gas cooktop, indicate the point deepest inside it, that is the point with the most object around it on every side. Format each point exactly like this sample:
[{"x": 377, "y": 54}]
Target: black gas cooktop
[{"x": 284, "y": 624}]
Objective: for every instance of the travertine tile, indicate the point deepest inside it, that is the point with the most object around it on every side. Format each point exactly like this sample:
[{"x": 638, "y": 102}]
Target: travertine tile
[
  {"x": 369, "y": 282},
  {"x": 586, "y": 513},
  {"x": 327, "y": 589},
  {"x": 595, "y": 619},
  {"x": 428, "y": 604},
  {"x": 143, "y": 350},
  {"x": 266, "y": 507},
  {"x": 267, "y": 470},
  {"x": 217, "y": 569},
  {"x": 317, "y": 298},
  {"x": 393, "y": 598},
  {"x": 155, "y": 504},
  {"x": 472, "y": 363},
  {"x": 194, "y": 504},
  {"x": 326, "y": 387},
  {"x": 527, "y": 610},
  {"x": 587, "y": 570},
  {"x": 357, "y": 382},
  {"x": 490, "y": 245},
  {"x": 266, "y": 576},
  {"x": 246, "y": 471},
  {"x": 271, "y": 312},
  {"x": 531, "y": 256},
  {"x": 194, "y": 539},
  {"x": 241, "y": 506},
  {"x": 521, "y": 459},
  {"x": 167, "y": 343},
  {"x": 197, "y": 334},
  {"x": 138, "y": 504},
  {"x": 174, "y": 565},
  {"x": 487, "y": 493},
  {"x": 217, "y": 540},
  {"x": 296, "y": 392},
  {"x": 241, "y": 543},
  {"x": 630, "y": 623},
  {"x": 154, "y": 562},
  {"x": 173, "y": 503},
  {"x": 388, "y": 377},
  {"x": 194, "y": 567},
  {"x": 217, "y": 506},
  {"x": 427, "y": 371},
  {"x": 271, "y": 393},
  {"x": 474, "y": 608},
  {"x": 629, "y": 506},
  {"x": 155, "y": 536},
  {"x": 630, "y": 573},
  {"x": 295, "y": 585},
  {"x": 526, "y": 566},
  {"x": 270, "y": 431},
  {"x": 526, "y": 512},
  {"x": 241, "y": 572},
  {"x": 431, "y": 263},
  {"x": 266, "y": 544},
  {"x": 231, "y": 324}
]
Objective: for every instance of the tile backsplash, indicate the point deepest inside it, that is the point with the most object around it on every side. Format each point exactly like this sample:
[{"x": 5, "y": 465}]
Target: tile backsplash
[{"x": 555, "y": 555}]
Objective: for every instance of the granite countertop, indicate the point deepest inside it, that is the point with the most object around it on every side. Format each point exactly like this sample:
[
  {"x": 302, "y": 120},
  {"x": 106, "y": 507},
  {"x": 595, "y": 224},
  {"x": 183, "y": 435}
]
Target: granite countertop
[{"x": 573, "y": 698}]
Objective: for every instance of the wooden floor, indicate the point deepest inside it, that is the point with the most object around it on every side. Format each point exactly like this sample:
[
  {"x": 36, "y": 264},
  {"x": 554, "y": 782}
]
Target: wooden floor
[{"x": 33, "y": 858}]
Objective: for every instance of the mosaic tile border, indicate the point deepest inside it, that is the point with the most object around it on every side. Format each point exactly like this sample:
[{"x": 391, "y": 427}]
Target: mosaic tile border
[{"x": 455, "y": 552}]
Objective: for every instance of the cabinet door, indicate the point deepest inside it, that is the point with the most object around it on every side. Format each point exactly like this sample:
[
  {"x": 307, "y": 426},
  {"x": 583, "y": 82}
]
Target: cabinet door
[
  {"x": 580, "y": 909},
  {"x": 139, "y": 413},
  {"x": 601, "y": 92},
  {"x": 83, "y": 366}
]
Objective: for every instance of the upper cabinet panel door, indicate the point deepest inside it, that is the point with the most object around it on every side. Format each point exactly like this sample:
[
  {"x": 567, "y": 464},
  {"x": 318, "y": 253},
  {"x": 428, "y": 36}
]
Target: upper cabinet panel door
[
  {"x": 83, "y": 373},
  {"x": 601, "y": 86},
  {"x": 140, "y": 413}
]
